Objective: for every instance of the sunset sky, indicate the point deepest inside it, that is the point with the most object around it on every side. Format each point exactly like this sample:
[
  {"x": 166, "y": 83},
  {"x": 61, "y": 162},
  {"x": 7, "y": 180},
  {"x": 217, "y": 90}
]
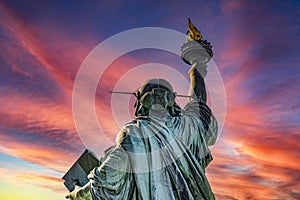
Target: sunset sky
[{"x": 256, "y": 49}]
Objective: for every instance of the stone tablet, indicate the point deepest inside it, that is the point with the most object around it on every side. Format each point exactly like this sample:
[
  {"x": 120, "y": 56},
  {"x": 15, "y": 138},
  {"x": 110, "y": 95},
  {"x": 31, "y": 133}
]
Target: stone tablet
[{"x": 77, "y": 174}]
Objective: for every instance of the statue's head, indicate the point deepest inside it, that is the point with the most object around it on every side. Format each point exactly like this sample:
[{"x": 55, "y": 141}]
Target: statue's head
[{"x": 156, "y": 94}]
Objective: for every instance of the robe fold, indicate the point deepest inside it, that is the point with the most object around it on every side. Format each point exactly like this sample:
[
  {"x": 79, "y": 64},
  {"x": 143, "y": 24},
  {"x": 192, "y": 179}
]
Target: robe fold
[{"x": 159, "y": 157}]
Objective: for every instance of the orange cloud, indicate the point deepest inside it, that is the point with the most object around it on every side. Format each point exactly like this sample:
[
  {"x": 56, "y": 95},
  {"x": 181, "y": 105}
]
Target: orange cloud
[
  {"x": 40, "y": 132},
  {"x": 45, "y": 155},
  {"x": 238, "y": 174},
  {"x": 15, "y": 177},
  {"x": 44, "y": 181}
]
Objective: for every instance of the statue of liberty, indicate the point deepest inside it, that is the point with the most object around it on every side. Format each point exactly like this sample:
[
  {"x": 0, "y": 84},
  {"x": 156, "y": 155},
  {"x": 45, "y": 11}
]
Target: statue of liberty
[{"x": 163, "y": 152}]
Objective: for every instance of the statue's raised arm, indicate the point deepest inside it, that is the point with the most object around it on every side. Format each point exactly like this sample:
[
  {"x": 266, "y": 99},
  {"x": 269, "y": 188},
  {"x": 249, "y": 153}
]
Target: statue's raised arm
[{"x": 197, "y": 52}]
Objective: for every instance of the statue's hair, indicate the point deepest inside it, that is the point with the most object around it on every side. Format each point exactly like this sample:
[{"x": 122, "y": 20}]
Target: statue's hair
[{"x": 161, "y": 84}]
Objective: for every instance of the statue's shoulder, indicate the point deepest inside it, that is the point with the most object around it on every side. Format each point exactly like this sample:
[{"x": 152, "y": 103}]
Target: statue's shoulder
[
  {"x": 131, "y": 131},
  {"x": 136, "y": 123},
  {"x": 127, "y": 131}
]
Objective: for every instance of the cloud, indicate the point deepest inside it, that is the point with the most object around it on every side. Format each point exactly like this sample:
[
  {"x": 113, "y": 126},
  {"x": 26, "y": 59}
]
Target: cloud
[
  {"x": 59, "y": 55},
  {"x": 237, "y": 174},
  {"x": 44, "y": 181},
  {"x": 256, "y": 50},
  {"x": 38, "y": 131},
  {"x": 36, "y": 180},
  {"x": 54, "y": 155},
  {"x": 255, "y": 157}
]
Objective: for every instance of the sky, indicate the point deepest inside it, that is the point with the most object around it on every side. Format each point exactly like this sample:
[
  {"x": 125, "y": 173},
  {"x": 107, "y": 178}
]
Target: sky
[{"x": 256, "y": 50}]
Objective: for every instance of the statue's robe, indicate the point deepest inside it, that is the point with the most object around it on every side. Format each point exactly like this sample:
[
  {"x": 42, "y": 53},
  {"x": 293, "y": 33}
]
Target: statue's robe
[{"x": 159, "y": 157}]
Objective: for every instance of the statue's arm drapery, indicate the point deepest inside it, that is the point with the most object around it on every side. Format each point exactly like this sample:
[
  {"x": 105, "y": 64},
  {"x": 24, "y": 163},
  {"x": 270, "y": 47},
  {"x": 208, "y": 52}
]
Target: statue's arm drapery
[
  {"x": 197, "y": 104},
  {"x": 112, "y": 179}
]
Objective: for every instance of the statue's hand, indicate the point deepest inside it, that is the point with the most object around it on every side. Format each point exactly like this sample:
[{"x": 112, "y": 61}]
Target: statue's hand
[
  {"x": 80, "y": 193},
  {"x": 72, "y": 195}
]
